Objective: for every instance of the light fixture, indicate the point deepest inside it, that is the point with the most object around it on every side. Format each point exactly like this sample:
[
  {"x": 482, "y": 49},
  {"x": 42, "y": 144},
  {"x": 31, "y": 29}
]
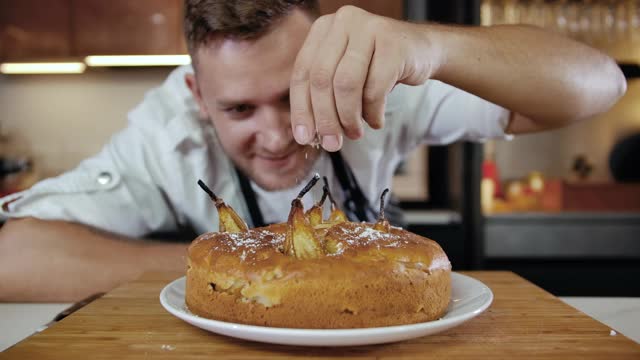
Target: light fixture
[
  {"x": 137, "y": 60},
  {"x": 43, "y": 68}
]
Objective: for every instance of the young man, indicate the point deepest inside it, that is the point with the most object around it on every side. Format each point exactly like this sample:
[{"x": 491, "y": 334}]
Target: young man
[{"x": 268, "y": 78}]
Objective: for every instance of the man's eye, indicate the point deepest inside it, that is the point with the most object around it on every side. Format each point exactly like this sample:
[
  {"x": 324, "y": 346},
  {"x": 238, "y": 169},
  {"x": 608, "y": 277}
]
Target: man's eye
[{"x": 239, "y": 109}]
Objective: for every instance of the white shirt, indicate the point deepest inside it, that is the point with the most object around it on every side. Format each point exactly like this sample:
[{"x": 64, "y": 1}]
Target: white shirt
[{"x": 145, "y": 179}]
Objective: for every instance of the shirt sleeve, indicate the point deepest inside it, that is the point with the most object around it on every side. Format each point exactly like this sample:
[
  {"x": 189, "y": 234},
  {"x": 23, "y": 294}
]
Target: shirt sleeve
[
  {"x": 437, "y": 113},
  {"x": 113, "y": 191}
]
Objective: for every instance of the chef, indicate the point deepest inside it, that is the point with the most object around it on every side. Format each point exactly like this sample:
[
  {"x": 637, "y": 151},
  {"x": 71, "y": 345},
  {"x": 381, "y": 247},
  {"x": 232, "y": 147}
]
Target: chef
[{"x": 269, "y": 79}]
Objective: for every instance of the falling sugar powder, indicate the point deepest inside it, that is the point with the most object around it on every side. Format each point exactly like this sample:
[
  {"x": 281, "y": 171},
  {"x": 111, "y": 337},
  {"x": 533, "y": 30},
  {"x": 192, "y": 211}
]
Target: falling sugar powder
[{"x": 316, "y": 141}]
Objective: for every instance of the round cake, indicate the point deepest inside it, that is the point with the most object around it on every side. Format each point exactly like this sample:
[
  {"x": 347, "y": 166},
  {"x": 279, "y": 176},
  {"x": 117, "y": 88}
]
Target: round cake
[{"x": 315, "y": 273}]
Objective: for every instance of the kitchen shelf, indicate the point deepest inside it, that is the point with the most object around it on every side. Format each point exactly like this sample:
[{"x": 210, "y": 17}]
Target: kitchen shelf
[
  {"x": 563, "y": 235},
  {"x": 565, "y": 215}
]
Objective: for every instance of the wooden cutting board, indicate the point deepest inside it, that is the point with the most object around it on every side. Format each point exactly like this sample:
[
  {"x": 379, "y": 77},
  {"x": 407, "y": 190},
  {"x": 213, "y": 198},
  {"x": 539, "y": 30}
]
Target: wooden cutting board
[{"x": 523, "y": 322}]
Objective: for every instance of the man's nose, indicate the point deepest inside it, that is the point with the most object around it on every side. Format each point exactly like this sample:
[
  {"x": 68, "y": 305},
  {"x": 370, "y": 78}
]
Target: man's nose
[{"x": 276, "y": 130}]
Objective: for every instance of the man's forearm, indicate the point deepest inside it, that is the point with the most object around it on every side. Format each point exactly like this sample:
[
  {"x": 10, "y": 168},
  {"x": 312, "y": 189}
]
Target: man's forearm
[
  {"x": 543, "y": 76},
  {"x": 60, "y": 261}
]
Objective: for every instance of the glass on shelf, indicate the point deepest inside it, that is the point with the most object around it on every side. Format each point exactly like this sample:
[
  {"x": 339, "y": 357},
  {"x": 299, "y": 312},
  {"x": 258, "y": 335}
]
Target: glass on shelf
[
  {"x": 610, "y": 25},
  {"x": 492, "y": 12}
]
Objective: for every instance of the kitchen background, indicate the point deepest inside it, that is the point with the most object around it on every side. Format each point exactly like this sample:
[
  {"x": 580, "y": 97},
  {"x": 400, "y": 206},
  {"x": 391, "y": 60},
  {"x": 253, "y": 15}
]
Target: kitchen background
[
  {"x": 58, "y": 120},
  {"x": 546, "y": 205}
]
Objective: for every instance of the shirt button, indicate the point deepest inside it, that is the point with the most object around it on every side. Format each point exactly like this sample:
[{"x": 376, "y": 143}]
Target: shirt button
[{"x": 104, "y": 178}]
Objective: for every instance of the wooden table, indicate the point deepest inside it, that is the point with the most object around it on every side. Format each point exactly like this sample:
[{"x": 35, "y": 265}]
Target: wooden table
[{"x": 524, "y": 321}]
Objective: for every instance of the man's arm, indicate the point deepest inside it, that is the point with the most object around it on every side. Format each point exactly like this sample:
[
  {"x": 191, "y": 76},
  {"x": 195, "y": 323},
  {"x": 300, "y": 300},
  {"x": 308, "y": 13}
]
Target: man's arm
[
  {"x": 58, "y": 261},
  {"x": 547, "y": 80},
  {"x": 352, "y": 59}
]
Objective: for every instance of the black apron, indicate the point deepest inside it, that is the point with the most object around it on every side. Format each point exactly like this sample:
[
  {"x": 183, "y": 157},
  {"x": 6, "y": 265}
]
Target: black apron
[{"x": 355, "y": 204}]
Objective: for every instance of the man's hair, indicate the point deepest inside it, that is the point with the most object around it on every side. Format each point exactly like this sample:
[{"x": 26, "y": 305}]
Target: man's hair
[{"x": 240, "y": 19}]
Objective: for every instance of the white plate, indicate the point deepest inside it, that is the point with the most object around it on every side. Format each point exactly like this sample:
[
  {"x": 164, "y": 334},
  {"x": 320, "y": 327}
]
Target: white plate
[{"x": 469, "y": 298}]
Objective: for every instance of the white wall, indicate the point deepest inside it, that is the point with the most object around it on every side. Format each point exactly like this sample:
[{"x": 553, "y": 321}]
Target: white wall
[
  {"x": 62, "y": 119},
  {"x": 553, "y": 152}
]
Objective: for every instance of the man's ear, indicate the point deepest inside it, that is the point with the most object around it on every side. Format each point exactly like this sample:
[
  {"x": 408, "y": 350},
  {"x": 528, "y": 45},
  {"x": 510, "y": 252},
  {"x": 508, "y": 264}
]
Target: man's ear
[{"x": 192, "y": 84}]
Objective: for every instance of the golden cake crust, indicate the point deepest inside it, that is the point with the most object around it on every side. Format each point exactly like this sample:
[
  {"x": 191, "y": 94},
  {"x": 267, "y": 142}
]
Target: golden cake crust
[{"x": 368, "y": 278}]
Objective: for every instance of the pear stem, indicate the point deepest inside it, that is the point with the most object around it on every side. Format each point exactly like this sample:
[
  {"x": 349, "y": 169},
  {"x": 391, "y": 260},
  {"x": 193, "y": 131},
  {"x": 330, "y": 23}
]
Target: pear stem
[
  {"x": 326, "y": 188},
  {"x": 308, "y": 187},
  {"x": 325, "y": 192},
  {"x": 208, "y": 191},
  {"x": 384, "y": 194}
]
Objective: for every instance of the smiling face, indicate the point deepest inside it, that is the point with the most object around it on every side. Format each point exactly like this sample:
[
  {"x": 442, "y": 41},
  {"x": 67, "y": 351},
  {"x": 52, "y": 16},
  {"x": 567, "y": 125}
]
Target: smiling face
[{"x": 243, "y": 87}]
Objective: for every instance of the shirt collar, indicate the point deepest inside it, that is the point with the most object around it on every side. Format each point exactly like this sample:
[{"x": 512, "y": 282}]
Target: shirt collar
[{"x": 184, "y": 127}]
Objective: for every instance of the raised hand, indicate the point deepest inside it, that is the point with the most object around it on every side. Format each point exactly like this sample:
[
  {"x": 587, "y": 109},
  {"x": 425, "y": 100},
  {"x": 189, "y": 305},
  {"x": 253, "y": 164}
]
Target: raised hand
[{"x": 347, "y": 65}]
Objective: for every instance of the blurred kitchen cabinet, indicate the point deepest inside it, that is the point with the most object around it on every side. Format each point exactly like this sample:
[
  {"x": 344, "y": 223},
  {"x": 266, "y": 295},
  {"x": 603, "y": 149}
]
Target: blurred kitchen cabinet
[
  {"x": 59, "y": 29},
  {"x": 124, "y": 27},
  {"x": 390, "y": 8},
  {"x": 34, "y": 29}
]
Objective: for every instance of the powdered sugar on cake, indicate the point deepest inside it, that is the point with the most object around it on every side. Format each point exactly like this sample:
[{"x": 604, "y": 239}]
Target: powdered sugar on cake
[
  {"x": 363, "y": 235},
  {"x": 248, "y": 243}
]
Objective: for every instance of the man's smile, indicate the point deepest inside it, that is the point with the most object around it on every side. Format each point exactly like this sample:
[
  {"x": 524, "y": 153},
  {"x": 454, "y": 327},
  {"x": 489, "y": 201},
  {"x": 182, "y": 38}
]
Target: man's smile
[{"x": 277, "y": 160}]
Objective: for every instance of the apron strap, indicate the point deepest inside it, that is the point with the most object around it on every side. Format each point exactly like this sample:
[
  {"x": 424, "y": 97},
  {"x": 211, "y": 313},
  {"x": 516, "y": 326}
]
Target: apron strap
[
  {"x": 250, "y": 198},
  {"x": 356, "y": 205}
]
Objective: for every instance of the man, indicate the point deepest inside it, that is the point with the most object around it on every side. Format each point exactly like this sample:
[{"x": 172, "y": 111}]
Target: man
[{"x": 268, "y": 78}]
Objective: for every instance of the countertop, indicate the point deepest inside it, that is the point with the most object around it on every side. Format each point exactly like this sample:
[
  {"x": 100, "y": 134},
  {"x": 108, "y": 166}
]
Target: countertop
[{"x": 621, "y": 315}]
